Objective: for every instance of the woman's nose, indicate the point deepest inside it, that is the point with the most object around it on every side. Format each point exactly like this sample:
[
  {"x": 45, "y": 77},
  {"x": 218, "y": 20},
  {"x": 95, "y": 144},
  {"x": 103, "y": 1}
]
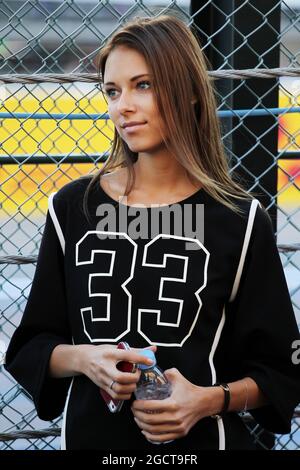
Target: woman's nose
[{"x": 125, "y": 102}]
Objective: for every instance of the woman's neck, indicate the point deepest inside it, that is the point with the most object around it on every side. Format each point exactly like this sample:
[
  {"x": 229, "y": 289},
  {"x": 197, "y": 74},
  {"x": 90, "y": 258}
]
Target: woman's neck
[{"x": 160, "y": 173}]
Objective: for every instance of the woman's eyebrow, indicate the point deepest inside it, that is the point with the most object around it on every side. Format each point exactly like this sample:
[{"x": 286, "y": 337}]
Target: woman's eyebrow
[{"x": 132, "y": 78}]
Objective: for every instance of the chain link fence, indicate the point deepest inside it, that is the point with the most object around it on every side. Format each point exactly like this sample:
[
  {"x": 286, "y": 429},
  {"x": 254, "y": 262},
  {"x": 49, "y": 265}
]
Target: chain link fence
[{"x": 54, "y": 128}]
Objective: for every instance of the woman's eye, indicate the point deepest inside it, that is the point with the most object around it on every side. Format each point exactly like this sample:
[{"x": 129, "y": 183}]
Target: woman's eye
[
  {"x": 110, "y": 91},
  {"x": 143, "y": 83}
]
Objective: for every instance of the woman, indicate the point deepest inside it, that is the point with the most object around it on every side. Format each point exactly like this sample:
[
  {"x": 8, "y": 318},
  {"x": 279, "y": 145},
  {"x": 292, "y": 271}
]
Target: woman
[{"x": 205, "y": 289}]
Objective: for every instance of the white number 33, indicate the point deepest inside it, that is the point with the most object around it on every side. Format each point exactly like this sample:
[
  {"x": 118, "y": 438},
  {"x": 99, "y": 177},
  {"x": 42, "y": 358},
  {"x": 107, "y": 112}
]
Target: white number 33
[{"x": 152, "y": 288}]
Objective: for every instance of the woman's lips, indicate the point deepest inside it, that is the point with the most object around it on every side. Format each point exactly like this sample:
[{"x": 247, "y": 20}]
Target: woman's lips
[{"x": 134, "y": 128}]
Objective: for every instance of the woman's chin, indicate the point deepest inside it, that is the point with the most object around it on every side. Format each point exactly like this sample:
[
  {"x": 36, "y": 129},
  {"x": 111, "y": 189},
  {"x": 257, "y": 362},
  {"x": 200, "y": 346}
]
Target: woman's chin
[
  {"x": 139, "y": 148},
  {"x": 148, "y": 149}
]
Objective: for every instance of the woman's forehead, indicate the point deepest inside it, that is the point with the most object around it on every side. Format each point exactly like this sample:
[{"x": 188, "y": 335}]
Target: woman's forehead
[{"x": 123, "y": 54}]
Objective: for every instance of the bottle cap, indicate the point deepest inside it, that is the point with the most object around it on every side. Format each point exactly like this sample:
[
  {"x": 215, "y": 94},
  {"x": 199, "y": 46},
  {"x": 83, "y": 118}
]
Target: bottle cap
[{"x": 150, "y": 354}]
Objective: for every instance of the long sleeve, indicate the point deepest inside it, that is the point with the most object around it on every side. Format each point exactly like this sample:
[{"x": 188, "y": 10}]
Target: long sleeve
[
  {"x": 44, "y": 325},
  {"x": 261, "y": 328}
]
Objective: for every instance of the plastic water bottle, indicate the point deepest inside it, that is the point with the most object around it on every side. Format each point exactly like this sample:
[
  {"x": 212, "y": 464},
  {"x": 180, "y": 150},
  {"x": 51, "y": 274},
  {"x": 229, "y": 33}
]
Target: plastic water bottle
[{"x": 153, "y": 384}]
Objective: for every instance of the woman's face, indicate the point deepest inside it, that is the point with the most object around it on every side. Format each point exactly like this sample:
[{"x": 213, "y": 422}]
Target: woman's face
[{"x": 130, "y": 96}]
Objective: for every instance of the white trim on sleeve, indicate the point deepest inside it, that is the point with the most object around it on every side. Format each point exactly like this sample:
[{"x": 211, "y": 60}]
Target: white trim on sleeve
[
  {"x": 254, "y": 204},
  {"x": 56, "y": 222}
]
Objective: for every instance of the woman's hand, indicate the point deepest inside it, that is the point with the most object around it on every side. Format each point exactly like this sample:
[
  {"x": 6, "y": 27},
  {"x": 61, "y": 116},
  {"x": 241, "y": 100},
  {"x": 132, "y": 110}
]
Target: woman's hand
[
  {"x": 99, "y": 363},
  {"x": 172, "y": 418}
]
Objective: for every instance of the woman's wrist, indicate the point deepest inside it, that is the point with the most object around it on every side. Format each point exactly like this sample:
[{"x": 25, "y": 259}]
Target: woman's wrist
[
  {"x": 216, "y": 402},
  {"x": 67, "y": 360},
  {"x": 78, "y": 361},
  {"x": 63, "y": 361},
  {"x": 236, "y": 396},
  {"x": 211, "y": 400}
]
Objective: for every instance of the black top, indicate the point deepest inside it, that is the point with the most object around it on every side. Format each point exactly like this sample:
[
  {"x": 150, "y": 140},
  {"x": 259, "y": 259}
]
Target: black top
[{"x": 171, "y": 288}]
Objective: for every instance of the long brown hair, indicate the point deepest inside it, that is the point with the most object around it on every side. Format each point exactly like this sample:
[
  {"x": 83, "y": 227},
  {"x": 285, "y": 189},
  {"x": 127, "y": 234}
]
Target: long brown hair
[{"x": 186, "y": 100}]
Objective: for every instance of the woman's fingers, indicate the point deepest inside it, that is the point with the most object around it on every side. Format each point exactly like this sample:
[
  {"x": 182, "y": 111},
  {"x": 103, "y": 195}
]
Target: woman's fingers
[
  {"x": 119, "y": 391},
  {"x": 158, "y": 429},
  {"x": 121, "y": 383},
  {"x": 133, "y": 356},
  {"x": 160, "y": 438},
  {"x": 113, "y": 375},
  {"x": 153, "y": 348},
  {"x": 126, "y": 378},
  {"x": 122, "y": 389}
]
